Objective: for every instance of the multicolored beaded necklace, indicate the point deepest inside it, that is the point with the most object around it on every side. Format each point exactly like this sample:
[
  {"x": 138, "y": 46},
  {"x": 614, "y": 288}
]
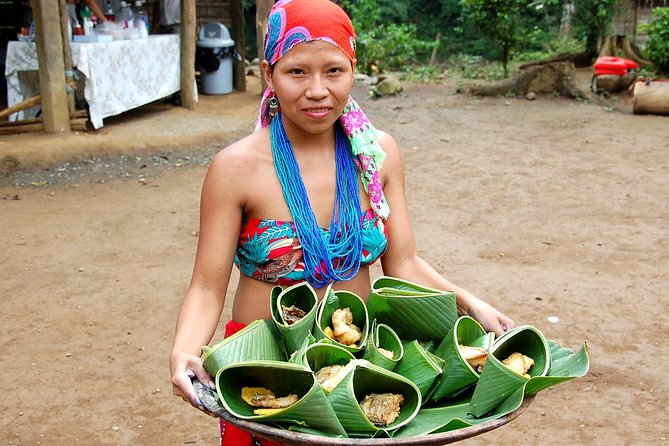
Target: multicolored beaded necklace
[{"x": 331, "y": 255}]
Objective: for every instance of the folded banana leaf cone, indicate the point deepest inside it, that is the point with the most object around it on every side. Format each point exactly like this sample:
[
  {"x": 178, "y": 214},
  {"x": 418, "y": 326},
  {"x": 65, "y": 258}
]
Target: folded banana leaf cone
[
  {"x": 364, "y": 383},
  {"x": 499, "y": 381},
  {"x": 458, "y": 373},
  {"x": 420, "y": 367},
  {"x": 256, "y": 341},
  {"x": 415, "y": 312},
  {"x": 383, "y": 348},
  {"x": 294, "y": 311},
  {"x": 342, "y": 320},
  {"x": 283, "y": 379}
]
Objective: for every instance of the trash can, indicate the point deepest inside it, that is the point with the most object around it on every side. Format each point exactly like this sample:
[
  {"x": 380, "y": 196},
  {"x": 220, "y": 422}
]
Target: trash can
[{"x": 213, "y": 57}]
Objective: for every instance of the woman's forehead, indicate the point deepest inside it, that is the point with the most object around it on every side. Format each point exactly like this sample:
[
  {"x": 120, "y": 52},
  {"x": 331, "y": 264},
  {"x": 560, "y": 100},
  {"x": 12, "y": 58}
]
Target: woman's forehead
[{"x": 317, "y": 51}]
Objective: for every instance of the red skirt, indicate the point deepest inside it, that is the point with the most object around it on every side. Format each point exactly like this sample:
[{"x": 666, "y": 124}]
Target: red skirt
[{"x": 231, "y": 435}]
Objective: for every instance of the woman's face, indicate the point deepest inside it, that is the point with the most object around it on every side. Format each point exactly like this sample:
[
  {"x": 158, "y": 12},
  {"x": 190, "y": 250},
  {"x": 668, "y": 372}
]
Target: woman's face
[{"x": 312, "y": 82}]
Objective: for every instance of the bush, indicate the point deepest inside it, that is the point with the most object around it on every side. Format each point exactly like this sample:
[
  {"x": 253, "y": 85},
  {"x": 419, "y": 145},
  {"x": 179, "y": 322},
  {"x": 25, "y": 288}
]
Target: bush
[
  {"x": 657, "y": 47},
  {"x": 389, "y": 47}
]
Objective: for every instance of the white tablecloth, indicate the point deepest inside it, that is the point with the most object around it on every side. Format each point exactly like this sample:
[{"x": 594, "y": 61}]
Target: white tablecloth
[{"x": 118, "y": 75}]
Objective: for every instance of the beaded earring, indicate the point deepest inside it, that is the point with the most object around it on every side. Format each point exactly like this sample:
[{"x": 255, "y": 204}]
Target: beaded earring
[{"x": 273, "y": 103}]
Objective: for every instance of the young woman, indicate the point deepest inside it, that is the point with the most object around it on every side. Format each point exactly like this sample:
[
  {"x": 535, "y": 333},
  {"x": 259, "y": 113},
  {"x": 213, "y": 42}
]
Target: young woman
[{"x": 315, "y": 194}]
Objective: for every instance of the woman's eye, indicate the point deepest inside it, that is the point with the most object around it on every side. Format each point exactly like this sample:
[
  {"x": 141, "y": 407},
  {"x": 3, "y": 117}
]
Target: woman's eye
[
  {"x": 296, "y": 71},
  {"x": 335, "y": 70}
]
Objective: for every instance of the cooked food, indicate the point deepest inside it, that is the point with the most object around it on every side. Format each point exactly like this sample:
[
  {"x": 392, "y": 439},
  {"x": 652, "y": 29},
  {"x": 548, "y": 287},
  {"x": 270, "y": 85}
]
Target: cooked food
[
  {"x": 519, "y": 363},
  {"x": 331, "y": 375},
  {"x": 265, "y": 398},
  {"x": 329, "y": 333},
  {"x": 292, "y": 314},
  {"x": 387, "y": 353},
  {"x": 475, "y": 356},
  {"x": 345, "y": 331},
  {"x": 382, "y": 409}
]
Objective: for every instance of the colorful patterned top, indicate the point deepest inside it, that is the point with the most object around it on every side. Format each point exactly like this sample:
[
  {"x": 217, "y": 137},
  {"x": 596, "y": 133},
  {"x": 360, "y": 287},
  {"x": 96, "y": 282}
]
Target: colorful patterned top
[{"x": 269, "y": 250}]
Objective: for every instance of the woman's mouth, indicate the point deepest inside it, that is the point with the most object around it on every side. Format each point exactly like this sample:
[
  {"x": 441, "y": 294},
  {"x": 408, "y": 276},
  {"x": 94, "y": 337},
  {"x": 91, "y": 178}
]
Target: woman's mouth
[{"x": 317, "y": 112}]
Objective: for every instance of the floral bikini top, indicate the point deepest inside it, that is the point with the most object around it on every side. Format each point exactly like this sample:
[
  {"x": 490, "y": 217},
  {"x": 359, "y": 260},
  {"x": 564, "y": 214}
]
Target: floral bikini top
[{"x": 269, "y": 250}]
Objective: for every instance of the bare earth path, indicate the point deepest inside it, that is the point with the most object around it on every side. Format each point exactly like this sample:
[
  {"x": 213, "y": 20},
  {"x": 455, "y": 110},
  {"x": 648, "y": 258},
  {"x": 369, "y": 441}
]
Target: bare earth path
[{"x": 545, "y": 208}]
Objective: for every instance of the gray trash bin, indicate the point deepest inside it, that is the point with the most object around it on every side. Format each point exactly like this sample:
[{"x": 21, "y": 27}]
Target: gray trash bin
[{"x": 214, "y": 53}]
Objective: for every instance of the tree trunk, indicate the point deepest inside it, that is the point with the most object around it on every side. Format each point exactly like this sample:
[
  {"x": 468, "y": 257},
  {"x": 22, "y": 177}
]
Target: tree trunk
[{"x": 568, "y": 9}]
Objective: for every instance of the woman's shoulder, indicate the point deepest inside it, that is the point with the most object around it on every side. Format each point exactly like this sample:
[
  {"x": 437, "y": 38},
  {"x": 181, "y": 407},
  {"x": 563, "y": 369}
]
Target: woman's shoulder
[{"x": 244, "y": 155}]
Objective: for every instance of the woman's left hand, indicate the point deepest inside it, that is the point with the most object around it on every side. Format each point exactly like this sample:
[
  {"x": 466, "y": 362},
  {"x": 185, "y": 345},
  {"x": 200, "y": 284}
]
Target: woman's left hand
[{"x": 489, "y": 317}]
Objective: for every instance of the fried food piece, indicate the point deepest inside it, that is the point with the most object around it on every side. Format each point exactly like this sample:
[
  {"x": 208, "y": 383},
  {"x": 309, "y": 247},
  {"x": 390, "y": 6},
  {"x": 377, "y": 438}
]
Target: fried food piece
[
  {"x": 519, "y": 363},
  {"x": 387, "y": 353},
  {"x": 475, "y": 356},
  {"x": 266, "y": 411},
  {"x": 382, "y": 409},
  {"x": 262, "y": 397},
  {"x": 345, "y": 331},
  {"x": 292, "y": 314},
  {"x": 331, "y": 375},
  {"x": 329, "y": 333}
]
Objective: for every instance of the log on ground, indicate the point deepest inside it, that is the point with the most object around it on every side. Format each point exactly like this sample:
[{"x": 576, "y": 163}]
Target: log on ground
[
  {"x": 543, "y": 78},
  {"x": 651, "y": 98}
]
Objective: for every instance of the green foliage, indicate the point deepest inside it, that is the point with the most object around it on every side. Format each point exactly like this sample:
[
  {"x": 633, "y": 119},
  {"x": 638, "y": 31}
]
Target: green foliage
[
  {"x": 592, "y": 19},
  {"x": 500, "y": 21},
  {"x": 657, "y": 46},
  {"x": 382, "y": 44}
]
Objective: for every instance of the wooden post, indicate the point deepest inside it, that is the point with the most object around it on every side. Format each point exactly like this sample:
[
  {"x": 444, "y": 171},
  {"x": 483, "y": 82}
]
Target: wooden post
[
  {"x": 188, "y": 39},
  {"x": 67, "y": 54},
  {"x": 238, "y": 25},
  {"x": 49, "y": 41},
  {"x": 262, "y": 13}
]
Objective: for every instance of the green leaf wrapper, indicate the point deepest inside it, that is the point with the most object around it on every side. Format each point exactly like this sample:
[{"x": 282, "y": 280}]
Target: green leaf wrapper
[
  {"x": 414, "y": 312},
  {"x": 256, "y": 341}
]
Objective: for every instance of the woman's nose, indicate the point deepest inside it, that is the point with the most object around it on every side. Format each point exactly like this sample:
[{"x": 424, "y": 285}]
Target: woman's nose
[{"x": 316, "y": 88}]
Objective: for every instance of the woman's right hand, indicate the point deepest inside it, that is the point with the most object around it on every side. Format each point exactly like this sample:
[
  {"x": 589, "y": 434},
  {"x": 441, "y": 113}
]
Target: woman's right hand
[{"x": 185, "y": 366}]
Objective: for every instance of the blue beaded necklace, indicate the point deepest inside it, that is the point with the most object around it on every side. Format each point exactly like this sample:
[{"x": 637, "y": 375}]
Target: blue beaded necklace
[{"x": 329, "y": 256}]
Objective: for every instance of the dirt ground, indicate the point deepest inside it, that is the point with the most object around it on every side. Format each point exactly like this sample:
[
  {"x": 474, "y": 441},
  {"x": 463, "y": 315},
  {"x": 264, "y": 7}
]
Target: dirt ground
[{"x": 551, "y": 207}]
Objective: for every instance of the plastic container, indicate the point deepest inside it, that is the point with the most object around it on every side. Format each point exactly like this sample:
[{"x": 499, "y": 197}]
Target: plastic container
[
  {"x": 614, "y": 65},
  {"x": 124, "y": 15},
  {"x": 214, "y": 54},
  {"x": 141, "y": 16}
]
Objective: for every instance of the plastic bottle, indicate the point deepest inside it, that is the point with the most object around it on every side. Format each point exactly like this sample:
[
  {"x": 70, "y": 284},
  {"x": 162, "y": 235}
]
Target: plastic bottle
[
  {"x": 124, "y": 15},
  {"x": 109, "y": 11},
  {"x": 142, "y": 16}
]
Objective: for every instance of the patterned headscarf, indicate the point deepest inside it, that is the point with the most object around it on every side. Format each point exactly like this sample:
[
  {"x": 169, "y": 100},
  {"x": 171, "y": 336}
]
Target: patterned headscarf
[{"x": 295, "y": 21}]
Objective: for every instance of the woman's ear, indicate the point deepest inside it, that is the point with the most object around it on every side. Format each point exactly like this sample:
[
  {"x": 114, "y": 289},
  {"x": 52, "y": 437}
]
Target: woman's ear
[{"x": 267, "y": 71}]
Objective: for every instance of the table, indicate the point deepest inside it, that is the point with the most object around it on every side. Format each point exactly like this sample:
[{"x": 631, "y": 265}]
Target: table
[{"x": 117, "y": 76}]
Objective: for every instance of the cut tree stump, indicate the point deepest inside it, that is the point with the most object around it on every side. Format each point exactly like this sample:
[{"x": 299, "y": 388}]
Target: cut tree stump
[{"x": 651, "y": 97}]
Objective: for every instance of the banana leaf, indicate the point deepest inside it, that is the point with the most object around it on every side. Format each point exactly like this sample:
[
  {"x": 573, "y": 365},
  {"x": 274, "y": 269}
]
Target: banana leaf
[
  {"x": 320, "y": 355},
  {"x": 312, "y": 410},
  {"x": 303, "y": 296},
  {"x": 366, "y": 379},
  {"x": 335, "y": 300},
  {"x": 454, "y": 415},
  {"x": 457, "y": 373},
  {"x": 565, "y": 365},
  {"x": 415, "y": 312},
  {"x": 256, "y": 341},
  {"x": 420, "y": 367},
  {"x": 382, "y": 336},
  {"x": 497, "y": 382}
]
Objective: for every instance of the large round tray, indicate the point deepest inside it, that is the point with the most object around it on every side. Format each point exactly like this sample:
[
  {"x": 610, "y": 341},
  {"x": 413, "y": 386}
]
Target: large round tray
[{"x": 290, "y": 438}]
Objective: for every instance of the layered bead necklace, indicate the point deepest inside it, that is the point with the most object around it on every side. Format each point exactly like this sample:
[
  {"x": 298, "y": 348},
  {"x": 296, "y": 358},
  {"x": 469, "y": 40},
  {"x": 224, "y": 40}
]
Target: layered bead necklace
[{"x": 329, "y": 255}]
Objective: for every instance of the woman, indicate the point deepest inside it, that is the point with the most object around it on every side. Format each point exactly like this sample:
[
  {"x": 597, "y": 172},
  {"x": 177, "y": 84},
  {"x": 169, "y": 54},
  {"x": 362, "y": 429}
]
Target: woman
[{"x": 297, "y": 175}]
